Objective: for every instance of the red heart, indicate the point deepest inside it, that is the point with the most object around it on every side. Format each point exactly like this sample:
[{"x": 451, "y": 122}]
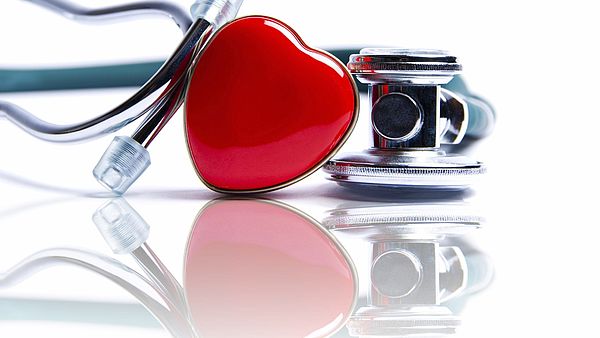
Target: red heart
[
  {"x": 264, "y": 110},
  {"x": 258, "y": 269}
]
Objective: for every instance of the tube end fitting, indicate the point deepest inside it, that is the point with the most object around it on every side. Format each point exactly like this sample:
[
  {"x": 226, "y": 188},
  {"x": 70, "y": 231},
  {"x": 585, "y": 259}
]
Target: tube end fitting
[
  {"x": 123, "y": 163},
  {"x": 123, "y": 229},
  {"x": 217, "y": 12}
]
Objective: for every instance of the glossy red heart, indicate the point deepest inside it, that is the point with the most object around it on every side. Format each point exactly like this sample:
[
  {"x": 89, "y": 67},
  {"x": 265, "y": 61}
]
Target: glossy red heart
[
  {"x": 263, "y": 109},
  {"x": 260, "y": 269}
]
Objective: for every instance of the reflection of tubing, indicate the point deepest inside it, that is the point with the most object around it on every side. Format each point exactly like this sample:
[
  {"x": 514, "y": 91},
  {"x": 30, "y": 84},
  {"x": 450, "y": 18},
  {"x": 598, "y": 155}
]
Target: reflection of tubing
[
  {"x": 100, "y": 313},
  {"x": 481, "y": 273},
  {"x": 481, "y": 267},
  {"x": 133, "y": 282},
  {"x": 161, "y": 277}
]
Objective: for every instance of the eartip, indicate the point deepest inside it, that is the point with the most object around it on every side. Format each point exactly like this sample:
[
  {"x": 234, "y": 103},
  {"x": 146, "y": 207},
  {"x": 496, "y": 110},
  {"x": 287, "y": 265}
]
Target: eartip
[{"x": 122, "y": 164}]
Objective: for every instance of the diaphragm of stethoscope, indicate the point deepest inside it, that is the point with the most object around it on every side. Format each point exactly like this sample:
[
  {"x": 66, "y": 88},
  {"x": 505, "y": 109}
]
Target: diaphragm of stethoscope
[
  {"x": 412, "y": 116},
  {"x": 435, "y": 170}
]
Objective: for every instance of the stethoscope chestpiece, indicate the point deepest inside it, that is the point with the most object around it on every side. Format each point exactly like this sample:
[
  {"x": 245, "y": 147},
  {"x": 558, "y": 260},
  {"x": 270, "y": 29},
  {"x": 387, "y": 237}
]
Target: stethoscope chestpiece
[{"x": 411, "y": 116}]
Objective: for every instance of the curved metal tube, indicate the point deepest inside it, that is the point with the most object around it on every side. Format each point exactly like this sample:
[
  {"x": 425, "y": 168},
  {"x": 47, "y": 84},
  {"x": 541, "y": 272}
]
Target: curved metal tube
[
  {"x": 47, "y": 131},
  {"x": 130, "y": 280},
  {"x": 76, "y": 12},
  {"x": 166, "y": 79},
  {"x": 160, "y": 114}
]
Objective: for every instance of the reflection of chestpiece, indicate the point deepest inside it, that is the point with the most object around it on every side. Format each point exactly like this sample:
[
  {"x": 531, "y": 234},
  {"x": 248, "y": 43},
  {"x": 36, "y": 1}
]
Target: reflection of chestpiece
[
  {"x": 417, "y": 267},
  {"x": 412, "y": 116}
]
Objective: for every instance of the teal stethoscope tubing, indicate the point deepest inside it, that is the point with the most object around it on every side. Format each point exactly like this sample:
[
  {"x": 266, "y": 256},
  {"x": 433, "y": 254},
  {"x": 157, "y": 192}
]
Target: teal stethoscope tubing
[
  {"x": 481, "y": 120},
  {"x": 93, "y": 77}
]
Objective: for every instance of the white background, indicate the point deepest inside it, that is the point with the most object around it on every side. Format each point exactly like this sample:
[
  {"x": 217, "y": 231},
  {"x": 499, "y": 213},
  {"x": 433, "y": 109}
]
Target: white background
[{"x": 535, "y": 61}]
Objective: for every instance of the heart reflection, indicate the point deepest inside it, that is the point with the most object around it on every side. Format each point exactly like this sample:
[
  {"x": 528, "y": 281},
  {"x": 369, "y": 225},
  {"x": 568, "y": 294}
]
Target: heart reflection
[{"x": 269, "y": 270}]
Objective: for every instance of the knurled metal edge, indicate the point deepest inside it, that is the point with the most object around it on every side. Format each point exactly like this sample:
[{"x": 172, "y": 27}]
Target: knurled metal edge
[
  {"x": 395, "y": 219},
  {"x": 334, "y": 169},
  {"x": 413, "y": 323},
  {"x": 360, "y": 67}
]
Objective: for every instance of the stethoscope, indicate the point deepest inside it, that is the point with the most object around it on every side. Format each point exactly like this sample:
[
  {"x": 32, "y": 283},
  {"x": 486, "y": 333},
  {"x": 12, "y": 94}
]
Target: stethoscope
[{"x": 252, "y": 122}]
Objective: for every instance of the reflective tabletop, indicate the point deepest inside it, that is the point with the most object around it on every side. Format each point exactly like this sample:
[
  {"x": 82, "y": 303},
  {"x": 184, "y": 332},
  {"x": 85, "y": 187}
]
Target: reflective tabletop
[{"x": 317, "y": 265}]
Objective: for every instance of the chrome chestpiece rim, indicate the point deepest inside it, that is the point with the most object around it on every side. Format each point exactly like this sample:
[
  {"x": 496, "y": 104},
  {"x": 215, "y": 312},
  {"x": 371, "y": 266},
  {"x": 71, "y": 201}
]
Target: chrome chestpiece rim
[
  {"x": 410, "y": 66},
  {"x": 411, "y": 116},
  {"x": 422, "y": 169}
]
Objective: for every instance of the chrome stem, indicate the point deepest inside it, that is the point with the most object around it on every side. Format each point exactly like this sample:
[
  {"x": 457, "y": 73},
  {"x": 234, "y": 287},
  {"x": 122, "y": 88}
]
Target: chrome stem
[{"x": 161, "y": 113}]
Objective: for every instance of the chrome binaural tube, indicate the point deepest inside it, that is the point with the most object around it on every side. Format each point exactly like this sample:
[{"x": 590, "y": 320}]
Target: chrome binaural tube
[
  {"x": 107, "y": 123},
  {"x": 79, "y": 13},
  {"x": 139, "y": 104}
]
